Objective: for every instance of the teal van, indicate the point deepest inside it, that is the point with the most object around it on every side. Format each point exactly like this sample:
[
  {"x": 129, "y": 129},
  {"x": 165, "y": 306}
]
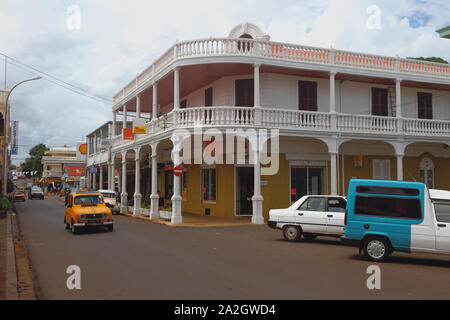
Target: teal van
[{"x": 386, "y": 216}]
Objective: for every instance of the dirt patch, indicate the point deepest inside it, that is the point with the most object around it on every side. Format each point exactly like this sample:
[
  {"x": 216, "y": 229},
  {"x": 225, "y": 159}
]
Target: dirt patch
[{"x": 25, "y": 280}]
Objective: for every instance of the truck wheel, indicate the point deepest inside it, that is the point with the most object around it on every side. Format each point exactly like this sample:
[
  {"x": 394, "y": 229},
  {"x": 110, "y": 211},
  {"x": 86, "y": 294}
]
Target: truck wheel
[
  {"x": 292, "y": 233},
  {"x": 376, "y": 248},
  {"x": 73, "y": 228}
]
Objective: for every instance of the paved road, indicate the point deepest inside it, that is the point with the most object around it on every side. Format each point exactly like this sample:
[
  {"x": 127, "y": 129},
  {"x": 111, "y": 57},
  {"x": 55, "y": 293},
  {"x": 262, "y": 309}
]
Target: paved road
[{"x": 142, "y": 260}]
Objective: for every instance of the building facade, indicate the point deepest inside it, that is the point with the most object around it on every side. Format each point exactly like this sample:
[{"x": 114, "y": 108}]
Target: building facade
[
  {"x": 318, "y": 116},
  {"x": 60, "y": 166},
  {"x": 4, "y": 136}
]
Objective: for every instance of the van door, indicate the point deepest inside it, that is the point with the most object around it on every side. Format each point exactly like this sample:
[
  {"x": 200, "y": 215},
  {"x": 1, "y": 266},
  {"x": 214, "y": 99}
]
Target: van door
[
  {"x": 442, "y": 212},
  {"x": 312, "y": 215},
  {"x": 335, "y": 215}
]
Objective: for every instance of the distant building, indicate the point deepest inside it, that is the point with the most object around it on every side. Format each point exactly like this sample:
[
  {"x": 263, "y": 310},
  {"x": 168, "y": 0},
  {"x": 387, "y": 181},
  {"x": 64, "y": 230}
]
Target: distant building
[
  {"x": 4, "y": 141},
  {"x": 444, "y": 32},
  {"x": 61, "y": 165}
]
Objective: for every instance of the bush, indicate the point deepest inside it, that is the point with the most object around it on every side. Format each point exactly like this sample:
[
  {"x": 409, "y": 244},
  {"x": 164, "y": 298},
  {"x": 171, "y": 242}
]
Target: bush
[{"x": 5, "y": 204}]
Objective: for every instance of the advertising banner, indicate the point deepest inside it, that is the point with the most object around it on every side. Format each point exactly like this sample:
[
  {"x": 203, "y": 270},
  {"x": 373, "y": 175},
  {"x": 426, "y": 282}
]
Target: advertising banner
[{"x": 81, "y": 151}]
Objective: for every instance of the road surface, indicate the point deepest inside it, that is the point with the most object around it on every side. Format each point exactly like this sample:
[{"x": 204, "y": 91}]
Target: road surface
[{"x": 143, "y": 260}]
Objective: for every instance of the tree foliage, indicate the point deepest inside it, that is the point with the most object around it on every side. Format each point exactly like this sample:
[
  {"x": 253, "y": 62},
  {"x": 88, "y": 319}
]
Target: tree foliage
[
  {"x": 34, "y": 162},
  {"x": 430, "y": 59}
]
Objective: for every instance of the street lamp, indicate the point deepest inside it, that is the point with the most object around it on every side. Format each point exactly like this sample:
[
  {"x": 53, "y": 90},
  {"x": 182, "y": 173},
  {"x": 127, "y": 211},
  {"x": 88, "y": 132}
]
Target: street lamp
[{"x": 5, "y": 143}]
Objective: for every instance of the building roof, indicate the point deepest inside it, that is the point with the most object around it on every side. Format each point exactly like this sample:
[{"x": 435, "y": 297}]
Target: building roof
[{"x": 444, "y": 32}]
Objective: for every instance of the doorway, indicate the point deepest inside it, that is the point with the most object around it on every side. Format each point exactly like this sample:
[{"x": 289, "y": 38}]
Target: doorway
[
  {"x": 307, "y": 181},
  {"x": 244, "y": 190}
]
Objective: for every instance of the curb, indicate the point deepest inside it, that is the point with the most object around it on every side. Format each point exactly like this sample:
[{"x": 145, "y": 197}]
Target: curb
[{"x": 12, "y": 292}]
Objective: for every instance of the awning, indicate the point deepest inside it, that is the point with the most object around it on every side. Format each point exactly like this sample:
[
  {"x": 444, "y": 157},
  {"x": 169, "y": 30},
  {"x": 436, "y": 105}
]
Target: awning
[{"x": 75, "y": 171}]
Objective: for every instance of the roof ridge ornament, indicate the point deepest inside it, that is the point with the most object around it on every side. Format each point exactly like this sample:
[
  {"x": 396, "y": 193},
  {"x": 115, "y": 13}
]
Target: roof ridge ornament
[{"x": 249, "y": 29}]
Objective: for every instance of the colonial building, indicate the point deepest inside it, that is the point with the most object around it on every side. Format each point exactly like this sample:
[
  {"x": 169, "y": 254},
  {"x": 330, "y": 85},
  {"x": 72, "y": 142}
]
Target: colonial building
[
  {"x": 60, "y": 165},
  {"x": 4, "y": 135},
  {"x": 333, "y": 114}
]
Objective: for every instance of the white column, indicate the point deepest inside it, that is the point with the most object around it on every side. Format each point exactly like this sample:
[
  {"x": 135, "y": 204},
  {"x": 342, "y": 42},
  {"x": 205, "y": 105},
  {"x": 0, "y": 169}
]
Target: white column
[
  {"x": 110, "y": 187},
  {"x": 257, "y": 95},
  {"x": 176, "y": 95},
  {"x": 257, "y": 199},
  {"x": 398, "y": 98},
  {"x": 124, "y": 194},
  {"x": 124, "y": 121},
  {"x": 114, "y": 124},
  {"x": 399, "y": 167},
  {"x": 155, "y": 101},
  {"x": 113, "y": 173},
  {"x": 138, "y": 106},
  {"x": 333, "y": 100},
  {"x": 137, "y": 184},
  {"x": 176, "y": 198},
  {"x": 94, "y": 181},
  {"x": 333, "y": 173},
  {"x": 154, "y": 198},
  {"x": 100, "y": 184}
]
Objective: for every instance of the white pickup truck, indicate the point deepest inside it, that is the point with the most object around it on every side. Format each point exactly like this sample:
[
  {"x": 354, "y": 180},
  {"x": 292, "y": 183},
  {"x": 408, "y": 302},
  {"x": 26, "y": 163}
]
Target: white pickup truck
[{"x": 309, "y": 217}]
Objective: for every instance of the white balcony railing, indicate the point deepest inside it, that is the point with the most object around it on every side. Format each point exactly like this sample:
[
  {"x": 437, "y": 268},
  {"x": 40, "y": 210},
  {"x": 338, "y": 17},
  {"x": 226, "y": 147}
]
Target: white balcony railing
[
  {"x": 304, "y": 121},
  {"x": 284, "y": 51}
]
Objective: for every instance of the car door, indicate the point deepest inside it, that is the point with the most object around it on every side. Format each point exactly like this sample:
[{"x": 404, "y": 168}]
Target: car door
[
  {"x": 335, "y": 215},
  {"x": 442, "y": 212},
  {"x": 312, "y": 215}
]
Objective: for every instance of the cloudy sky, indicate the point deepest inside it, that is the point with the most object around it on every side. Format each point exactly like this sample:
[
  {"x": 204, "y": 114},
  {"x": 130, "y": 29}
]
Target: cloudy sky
[{"x": 118, "y": 39}]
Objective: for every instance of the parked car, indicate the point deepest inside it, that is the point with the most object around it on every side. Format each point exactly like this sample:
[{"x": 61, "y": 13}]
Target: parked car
[
  {"x": 87, "y": 209},
  {"x": 18, "y": 194},
  {"x": 36, "y": 193},
  {"x": 110, "y": 197},
  {"x": 387, "y": 216},
  {"x": 309, "y": 217}
]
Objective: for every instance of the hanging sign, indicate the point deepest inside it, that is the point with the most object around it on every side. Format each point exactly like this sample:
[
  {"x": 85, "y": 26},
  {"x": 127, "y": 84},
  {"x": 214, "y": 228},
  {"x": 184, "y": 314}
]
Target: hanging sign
[
  {"x": 127, "y": 134},
  {"x": 139, "y": 126}
]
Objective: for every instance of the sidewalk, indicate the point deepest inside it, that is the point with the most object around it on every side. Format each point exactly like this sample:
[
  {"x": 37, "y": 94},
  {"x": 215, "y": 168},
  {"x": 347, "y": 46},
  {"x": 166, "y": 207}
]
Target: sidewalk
[{"x": 195, "y": 220}]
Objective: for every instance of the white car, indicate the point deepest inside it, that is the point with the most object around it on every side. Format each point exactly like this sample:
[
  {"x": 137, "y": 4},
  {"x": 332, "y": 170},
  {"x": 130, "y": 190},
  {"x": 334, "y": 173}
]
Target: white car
[
  {"x": 310, "y": 216},
  {"x": 110, "y": 200}
]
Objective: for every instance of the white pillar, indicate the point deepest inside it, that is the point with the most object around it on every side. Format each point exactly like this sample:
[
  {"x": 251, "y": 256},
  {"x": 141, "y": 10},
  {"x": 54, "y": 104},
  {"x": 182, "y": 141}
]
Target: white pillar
[
  {"x": 94, "y": 181},
  {"x": 154, "y": 198},
  {"x": 124, "y": 121},
  {"x": 398, "y": 98},
  {"x": 124, "y": 194},
  {"x": 399, "y": 167},
  {"x": 138, "y": 106},
  {"x": 100, "y": 184},
  {"x": 110, "y": 187},
  {"x": 155, "y": 101},
  {"x": 176, "y": 95},
  {"x": 257, "y": 199},
  {"x": 137, "y": 184},
  {"x": 333, "y": 173},
  {"x": 333, "y": 100},
  {"x": 113, "y": 133},
  {"x": 257, "y": 95},
  {"x": 176, "y": 198}
]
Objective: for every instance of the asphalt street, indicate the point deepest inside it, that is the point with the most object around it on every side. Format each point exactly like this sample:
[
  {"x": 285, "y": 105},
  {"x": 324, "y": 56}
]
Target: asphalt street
[{"x": 143, "y": 260}]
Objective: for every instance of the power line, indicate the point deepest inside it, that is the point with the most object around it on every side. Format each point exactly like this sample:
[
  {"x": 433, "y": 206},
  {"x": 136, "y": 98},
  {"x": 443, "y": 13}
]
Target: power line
[{"x": 54, "y": 80}]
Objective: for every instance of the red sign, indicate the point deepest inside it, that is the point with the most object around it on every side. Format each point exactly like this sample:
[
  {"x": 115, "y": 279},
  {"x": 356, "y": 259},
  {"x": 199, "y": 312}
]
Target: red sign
[
  {"x": 128, "y": 134},
  {"x": 293, "y": 191},
  {"x": 178, "y": 171}
]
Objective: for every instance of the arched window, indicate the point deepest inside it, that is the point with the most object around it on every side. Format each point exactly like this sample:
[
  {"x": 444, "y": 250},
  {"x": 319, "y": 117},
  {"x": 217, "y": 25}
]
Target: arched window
[
  {"x": 427, "y": 172},
  {"x": 2, "y": 125}
]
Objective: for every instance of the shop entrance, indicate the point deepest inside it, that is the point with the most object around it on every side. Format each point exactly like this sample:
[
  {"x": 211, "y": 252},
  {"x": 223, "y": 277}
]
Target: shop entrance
[{"x": 244, "y": 190}]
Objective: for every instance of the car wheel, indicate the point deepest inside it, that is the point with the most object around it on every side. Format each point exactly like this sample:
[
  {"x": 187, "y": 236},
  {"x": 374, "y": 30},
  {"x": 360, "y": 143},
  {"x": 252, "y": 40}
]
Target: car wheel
[
  {"x": 376, "y": 248},
  {"x": 73, "y": 228},
  {"x": 292, "y": 233},
  {"x": 111, "y": 228},
  {"x": 309, "y": 236}
]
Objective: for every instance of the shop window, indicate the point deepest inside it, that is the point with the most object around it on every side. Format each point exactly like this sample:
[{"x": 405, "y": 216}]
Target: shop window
[
  {"x": 427, "y": 172},
  {"x": 209, "y": 184},
  {"x": 381, "y": 169},
  {"x": 306, "y": 181}
]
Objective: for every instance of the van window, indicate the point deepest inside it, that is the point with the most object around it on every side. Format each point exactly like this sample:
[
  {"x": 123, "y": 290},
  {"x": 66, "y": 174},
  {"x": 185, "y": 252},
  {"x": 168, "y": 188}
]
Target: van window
[
  {"x": 388, "y": 190},
  {"x": 388, "y": 207},
  {"x": 442, "y": 211}
]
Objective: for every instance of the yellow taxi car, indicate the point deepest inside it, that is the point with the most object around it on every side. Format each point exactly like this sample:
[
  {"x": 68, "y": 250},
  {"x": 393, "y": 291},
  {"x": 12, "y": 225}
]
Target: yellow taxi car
[
  {"x": 87, "y": 209},
  {"x": 18, "y": 195}
]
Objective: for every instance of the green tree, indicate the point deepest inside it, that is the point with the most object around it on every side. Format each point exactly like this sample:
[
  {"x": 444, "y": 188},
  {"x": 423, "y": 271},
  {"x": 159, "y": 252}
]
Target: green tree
[
  {"x": 430, "y": 59},
  {"x": 34, "y": 162}
]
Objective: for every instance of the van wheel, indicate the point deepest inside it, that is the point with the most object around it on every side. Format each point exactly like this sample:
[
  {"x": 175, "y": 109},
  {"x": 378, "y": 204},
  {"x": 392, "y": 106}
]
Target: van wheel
[
  {"x": 376, "y": 248},
  {"x": 292, "y": 233},
  {"x": 73, "y": 228}
]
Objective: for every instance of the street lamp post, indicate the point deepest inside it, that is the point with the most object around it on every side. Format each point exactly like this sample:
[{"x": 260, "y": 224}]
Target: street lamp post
[{"x": 5, "y": 135}]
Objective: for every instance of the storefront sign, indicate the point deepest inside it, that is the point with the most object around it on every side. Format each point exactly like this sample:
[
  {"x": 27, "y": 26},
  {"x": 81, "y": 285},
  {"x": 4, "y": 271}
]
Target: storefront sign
[
  {"x": 139, "y": 126},
  {"x": 81, "y": 151},
  {"x": 127, "y": 134},
  {"x": 357, "y": 160}
]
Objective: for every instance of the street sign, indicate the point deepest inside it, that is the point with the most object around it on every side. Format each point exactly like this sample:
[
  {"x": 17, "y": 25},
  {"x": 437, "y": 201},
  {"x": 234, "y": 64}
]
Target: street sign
[
  {"x": 14, "y": 137},
  {"x": 178, "y": 171}
]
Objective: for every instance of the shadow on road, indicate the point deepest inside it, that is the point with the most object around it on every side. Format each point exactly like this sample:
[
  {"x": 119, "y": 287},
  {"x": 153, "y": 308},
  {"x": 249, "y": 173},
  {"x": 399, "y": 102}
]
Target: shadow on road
[{"x": 409, "y": 260}]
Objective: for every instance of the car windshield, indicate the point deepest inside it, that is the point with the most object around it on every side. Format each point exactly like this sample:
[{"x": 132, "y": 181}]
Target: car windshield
[
  {"x": 442, "y": 210},
  {"x": 88, "y": 199},
  {"x": 36, "y": 189}
]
